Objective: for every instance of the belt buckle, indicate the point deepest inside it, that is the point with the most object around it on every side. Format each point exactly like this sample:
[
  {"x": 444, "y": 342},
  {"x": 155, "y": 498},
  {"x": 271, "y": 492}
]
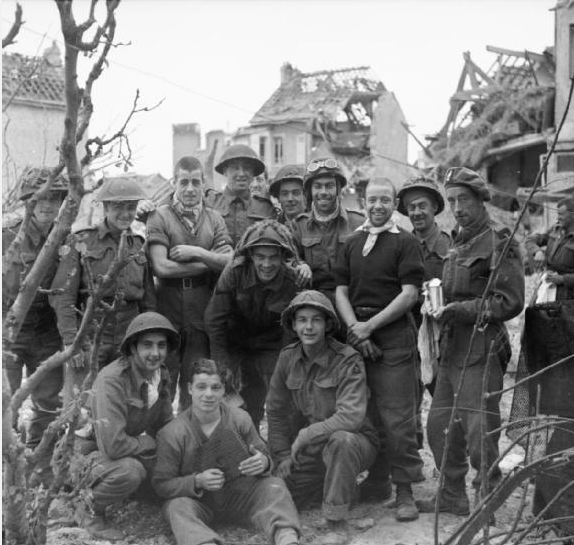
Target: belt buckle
[{"x": 187, "y": 283}]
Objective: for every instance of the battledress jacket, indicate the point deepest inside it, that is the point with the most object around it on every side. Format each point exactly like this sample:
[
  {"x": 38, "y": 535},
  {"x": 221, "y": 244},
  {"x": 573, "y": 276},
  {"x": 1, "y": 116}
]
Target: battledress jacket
[
  {"x": 466, "y": 271},
  {"x": 330, "y": 394}
]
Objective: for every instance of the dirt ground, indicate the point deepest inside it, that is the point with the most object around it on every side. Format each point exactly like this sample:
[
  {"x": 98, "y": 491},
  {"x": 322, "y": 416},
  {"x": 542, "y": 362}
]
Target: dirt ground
[{"x": 373, "y": 523}]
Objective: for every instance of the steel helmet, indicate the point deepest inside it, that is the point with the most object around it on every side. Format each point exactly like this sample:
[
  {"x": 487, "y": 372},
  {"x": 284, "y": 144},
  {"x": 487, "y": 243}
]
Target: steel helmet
[
  {"x": 310, "y": 298},
  {"x": 323, "y": 166},
  {"x": 288, "y": 173},
  {"x": 149, "y": 321},
  {"x": 421, "y": 183},
  {"x": 267, "y": 233},
  {"x": 240, "y": 151},
  {"x": 120, "y": 189},
  {"x": 32, "y": 179}
]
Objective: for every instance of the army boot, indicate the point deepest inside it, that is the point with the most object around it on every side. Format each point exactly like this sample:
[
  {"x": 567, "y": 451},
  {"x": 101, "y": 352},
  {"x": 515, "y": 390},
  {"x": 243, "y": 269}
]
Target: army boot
[
  {"x": 93, "y": 521},
  {"x": 406, "y": 507}
]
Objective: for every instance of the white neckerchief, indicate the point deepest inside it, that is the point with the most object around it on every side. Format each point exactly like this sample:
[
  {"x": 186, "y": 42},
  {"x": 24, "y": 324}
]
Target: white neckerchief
[
  {"x": 374, "y": 233},
  {"x": 153, "y": 388}
]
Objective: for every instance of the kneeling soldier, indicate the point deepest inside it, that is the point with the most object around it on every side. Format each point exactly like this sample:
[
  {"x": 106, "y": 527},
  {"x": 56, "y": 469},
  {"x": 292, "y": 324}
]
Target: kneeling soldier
[
  {"x": 319, "y": 434},
  {"x": 130, "y": 403}
]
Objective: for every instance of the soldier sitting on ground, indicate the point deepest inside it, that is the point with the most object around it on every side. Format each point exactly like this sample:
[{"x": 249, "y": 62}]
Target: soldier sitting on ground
[{"x": 212, "y": 462}]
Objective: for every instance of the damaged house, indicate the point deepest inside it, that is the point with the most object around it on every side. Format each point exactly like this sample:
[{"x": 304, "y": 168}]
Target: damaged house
[
  {"x": 346, "y": 113},
  {"x": 33, "y": 111},
  {"x": 502, "y": 121}
]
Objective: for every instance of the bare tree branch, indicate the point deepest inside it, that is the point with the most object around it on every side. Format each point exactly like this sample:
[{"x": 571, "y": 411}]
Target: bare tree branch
[
  {"x": 15, "y": 28},
  {"x": 68, "y": 159}
]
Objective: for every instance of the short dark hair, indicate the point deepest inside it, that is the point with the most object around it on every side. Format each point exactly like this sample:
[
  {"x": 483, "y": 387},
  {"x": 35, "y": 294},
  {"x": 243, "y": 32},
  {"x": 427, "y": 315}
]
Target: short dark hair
[
  {"x": 188, "y": 163},
  {"x": 209, "y": 367},
  {"x": 568, "y": 202},
  {"x": 384, "y": 182}
]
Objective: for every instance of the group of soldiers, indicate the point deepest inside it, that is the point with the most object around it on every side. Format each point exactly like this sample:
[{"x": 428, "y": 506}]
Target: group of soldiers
[{"x": 307, "y": 315}]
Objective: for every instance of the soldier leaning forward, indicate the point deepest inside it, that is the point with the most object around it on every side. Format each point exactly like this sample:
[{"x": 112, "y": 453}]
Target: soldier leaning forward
[
  {"x": 243, "y": 318},
  {"x": 38, "y": 337},
  {"x": 86, "y": 257}
]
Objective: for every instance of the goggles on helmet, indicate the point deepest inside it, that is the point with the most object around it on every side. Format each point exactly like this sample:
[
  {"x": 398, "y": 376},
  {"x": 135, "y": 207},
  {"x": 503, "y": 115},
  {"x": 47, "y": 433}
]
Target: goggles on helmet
[{"x": 326, "y": 163}]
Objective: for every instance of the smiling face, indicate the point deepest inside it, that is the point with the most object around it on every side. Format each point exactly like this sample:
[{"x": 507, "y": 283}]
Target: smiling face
[
  {"x": 149, "y": 352},
  {"x": 188, "y": 186},
  {"x": 120, "y": 214},
  {"x": 46, "y": 210},
  {"x": 239, "y": 174},
  {"x": 291, "y": 198},
  {"x": 465, "y": 205},
  {"x": 206, "y": 392},
  {"x": 310, "y": 325},
  {"x": 421, "y": 208},
  {"x": 324, "y": 193},
  {"x": 267, "y": 262},
  {"x": 380, "y": 203}
]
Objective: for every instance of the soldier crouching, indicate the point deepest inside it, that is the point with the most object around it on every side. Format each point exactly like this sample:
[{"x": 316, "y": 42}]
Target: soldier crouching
[{"x": 130, "y": 403}]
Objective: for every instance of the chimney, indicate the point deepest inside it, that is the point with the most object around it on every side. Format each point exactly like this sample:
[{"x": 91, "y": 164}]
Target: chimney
[
  {"x": 286, "y": 72},
  {"x": 52, "y": 55}
]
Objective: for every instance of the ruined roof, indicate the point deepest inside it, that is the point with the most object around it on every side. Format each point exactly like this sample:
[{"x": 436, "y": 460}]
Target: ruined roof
[
  {"x": 32, "y": 79},
  {"x": 301, "y": 96},
  {"x": 519, "y": 69}
]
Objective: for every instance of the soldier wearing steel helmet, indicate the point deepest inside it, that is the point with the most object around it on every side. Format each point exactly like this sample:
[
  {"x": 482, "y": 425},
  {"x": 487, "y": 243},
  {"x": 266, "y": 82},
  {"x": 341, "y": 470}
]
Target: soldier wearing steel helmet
[
  {"x": 477, "y": 250},
  {"x": 98, "y": 245},
  {"x": 321, "y": 232},
  {"x": 421, "y": 200},
  {"x": 243, "y": 316},
  {"x": 287, "y": 188},
  {"x": 39, "y": 337},
  {"x": 239, "y": 207},
  {"x": 130, "y": 402},
  {"x": 318, "y": 431}
]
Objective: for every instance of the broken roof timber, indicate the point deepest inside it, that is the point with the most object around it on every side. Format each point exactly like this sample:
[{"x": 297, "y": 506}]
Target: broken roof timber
[
  {"x": 302, "y": 96},
  {"x": 517, "y": 144},
  {"x": 522, "y": 54}
]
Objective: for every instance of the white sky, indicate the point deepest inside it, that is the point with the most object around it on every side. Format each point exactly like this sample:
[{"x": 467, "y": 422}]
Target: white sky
[{"x": 215, "y": 62}]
